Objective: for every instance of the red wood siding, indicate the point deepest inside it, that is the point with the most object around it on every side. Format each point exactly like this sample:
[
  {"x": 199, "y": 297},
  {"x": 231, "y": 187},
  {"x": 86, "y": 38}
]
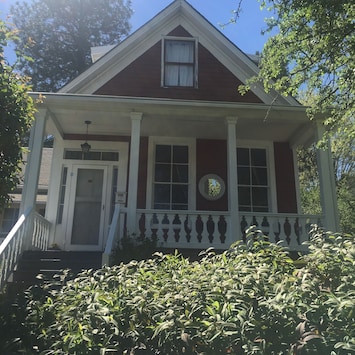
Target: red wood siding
[
  {"x": 142, "y": 173},
  {"x": 285, "y": 178},
  {"x": 211, "y": 158},
  {"x": 142, "y": 78}
]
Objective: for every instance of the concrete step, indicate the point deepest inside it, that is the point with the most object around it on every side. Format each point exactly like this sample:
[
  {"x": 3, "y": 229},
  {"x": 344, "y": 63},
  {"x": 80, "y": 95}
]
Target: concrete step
[{"x": 49, "y": 263}]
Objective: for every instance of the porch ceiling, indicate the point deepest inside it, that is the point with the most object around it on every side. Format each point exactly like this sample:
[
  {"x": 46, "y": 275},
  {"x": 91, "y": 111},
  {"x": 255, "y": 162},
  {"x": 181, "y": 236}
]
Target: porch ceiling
[{"x": 111, "y": 116}]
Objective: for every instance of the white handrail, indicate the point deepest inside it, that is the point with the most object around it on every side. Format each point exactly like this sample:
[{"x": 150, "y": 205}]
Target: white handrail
[
  {"x": 114, "y": 228},
  {"x": 12, "y": 247},
  {"x": 30, "y": 231}
]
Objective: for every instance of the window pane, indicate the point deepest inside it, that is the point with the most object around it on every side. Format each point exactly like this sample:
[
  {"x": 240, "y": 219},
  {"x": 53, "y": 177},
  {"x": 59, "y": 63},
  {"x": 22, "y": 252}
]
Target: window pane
[
  {"x": 162, "y": 193},
  {"x": 186, "y": 75},
  {"x": 179, "y": 51},
  {"x": 244, "y": 196},
  {"x": 176, "y": 206},
  {"x": 260, "y": 196},
  {"x": 162, "y": 173},
  {"x": 243, "y": 156},
  {"x": 171, "y": 75},
  {"x": 180, "y": 194},
  {"x": 162, "y": 206},
  {"x": 92, "y": 156},
  {"x": 259, "y": 176},
  {"x": 180, "y": 173},
  {"x": 258, "y": 157},
  {"x": 244, "y": 176},
  {"x": 163, "y": 153},
  {"x": 73, "y": 154},
  {"x": 180, "y": 154},
  {"x": 110, "y": 156}
]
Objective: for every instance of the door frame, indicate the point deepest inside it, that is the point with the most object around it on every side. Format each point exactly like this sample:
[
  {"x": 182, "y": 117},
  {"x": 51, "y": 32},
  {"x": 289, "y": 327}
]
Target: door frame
[{"x": 105, "y": 202}]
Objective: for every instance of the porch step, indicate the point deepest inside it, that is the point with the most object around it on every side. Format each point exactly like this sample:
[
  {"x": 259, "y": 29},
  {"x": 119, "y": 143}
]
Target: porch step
[{"x": 49, "y": 263}]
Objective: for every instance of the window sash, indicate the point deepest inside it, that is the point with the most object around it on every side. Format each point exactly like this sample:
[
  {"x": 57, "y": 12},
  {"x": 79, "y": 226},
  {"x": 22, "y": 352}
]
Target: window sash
[
  {"x": 253, "y": 180},
  {"x": 179, "y": 63},
  {"x": 171, "y": 180}
]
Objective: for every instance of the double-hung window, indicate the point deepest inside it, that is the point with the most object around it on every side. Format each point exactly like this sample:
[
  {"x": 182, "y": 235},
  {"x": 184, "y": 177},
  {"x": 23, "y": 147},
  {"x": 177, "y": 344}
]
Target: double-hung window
[
  {"x": 253, "y": 181},
  {"x": 171, "y": 177},
  {"x": 179, "y": 57}
]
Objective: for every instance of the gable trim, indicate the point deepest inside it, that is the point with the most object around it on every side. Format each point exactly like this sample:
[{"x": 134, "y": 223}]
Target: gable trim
[{"x": 179, "y": 13}]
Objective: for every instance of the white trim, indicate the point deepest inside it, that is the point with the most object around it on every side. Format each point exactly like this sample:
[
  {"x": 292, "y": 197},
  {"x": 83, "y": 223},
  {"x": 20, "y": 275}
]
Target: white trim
[
  {"x": 59, "y": 162},
  {"x": 191, "y": 143},
  {"x": 176, "y": 14},
  {"x": 270, "y": 159},
  {"x": 136, "y": 118}
]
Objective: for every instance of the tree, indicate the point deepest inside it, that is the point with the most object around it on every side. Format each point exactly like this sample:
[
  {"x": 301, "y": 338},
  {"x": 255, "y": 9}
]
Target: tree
[
  {"x": 316, "y": 42},
  {"x": 62, "y": 32},
  {"x": 16, "y": 114},
  {"x": 343, "y": 152}
]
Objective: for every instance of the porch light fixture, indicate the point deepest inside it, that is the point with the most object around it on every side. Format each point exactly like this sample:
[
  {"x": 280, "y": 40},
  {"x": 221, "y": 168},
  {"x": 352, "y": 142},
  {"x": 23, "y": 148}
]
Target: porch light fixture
[{"x": 85, "y": 147}]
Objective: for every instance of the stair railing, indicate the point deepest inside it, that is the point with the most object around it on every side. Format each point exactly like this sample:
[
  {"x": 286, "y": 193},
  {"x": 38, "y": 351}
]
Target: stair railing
[
  {"x": 30, "y": 231},
  {"x": 11, "y": 248},
  {"x": 112, "y": 235},
  {"x": 41, "y": 229}
]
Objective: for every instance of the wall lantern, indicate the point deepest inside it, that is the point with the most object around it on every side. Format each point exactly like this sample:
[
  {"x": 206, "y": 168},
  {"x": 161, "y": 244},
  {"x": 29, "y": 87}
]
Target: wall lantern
[{"x": 85, "y": 147}]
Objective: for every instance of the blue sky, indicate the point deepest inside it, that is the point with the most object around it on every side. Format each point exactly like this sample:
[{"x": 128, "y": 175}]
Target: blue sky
[{"x": 246, "y": 33}]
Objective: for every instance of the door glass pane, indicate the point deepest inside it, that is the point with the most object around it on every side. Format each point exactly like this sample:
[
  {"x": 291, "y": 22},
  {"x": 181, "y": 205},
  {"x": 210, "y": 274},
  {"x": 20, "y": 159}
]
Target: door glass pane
[{"x": 87, "y": 209}]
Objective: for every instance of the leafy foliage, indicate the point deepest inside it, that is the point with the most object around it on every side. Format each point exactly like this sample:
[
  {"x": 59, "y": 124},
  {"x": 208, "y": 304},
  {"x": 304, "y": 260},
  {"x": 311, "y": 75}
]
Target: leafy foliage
[
  {"x": 61, "y": 33},
  {"x": 249, "y": 300},
  {"x": 316, "y": 43},
  {"x": 343, "y": 153},
  {"x": 16, "y": 113},
  {"x": 132, "y": 247}
]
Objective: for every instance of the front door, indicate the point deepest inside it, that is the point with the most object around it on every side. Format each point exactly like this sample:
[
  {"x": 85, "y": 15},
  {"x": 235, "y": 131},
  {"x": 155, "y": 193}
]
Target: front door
[{"x": 87, "y": 208}]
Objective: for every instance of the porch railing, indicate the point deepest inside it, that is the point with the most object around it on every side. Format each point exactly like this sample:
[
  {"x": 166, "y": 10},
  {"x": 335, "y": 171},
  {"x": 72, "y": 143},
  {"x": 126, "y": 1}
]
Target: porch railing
[
  {"x": 30, "y": 231},
  {"x": 201, "y": 230}
]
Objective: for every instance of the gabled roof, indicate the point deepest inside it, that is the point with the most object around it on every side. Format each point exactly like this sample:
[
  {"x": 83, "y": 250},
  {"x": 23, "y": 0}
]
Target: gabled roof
[{"x": 178, "y": 13}]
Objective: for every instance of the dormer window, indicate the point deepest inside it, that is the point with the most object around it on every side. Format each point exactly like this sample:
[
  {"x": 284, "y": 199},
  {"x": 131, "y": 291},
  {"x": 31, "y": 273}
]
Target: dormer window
[{"x": 180, "y": 62}]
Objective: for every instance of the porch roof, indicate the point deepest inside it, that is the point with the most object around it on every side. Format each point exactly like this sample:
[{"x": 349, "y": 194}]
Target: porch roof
[{"x": 110, "y": 115}]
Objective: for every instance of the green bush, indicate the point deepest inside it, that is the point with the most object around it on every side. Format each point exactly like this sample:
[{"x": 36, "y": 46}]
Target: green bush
[{"x": 249, "y": 300}]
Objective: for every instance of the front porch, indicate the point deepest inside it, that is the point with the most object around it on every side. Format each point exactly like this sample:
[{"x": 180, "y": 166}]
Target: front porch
[
  {"x": 181, "y": 230},
  {"x": 131, "y": 129}
]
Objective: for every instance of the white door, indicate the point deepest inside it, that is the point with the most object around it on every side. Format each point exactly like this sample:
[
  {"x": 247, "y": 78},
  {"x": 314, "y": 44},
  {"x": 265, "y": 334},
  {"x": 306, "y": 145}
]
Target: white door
[{"x": 87, "y": 208}]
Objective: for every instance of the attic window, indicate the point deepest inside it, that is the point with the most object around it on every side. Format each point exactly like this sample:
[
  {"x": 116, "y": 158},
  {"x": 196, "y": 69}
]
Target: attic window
[{"x": 180, "y": 62}]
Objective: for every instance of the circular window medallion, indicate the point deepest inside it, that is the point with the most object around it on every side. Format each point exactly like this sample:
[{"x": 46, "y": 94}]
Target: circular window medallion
[{"x": 211, "y": 187}]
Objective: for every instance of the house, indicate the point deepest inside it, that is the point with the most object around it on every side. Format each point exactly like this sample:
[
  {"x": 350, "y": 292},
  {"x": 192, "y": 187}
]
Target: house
[
  {"x": 10, "y": 214},
  {"x": 171, "y": 142}
]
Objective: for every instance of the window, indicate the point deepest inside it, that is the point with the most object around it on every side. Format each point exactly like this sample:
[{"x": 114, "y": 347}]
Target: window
[
  {"x": 253, "y": 181},
  {"x": 63, "y": 186},
  {"x": 9, "y": 218},
  {"x": 171, "y": 177},
  {"x": 92, "y": 155},
  {"x": 179, "y": 63}
]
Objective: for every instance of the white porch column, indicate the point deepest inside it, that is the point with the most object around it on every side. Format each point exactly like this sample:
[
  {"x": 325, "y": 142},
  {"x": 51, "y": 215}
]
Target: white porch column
[
  {"x": 34, "y": 158},
  {"x": 327, "y": 185},
  {"x": 136, "y": 118},
  {"x": 234, "y": 228}
]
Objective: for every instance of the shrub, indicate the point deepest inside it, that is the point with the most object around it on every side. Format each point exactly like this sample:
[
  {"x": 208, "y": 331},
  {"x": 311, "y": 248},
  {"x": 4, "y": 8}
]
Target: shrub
[{"x": 249, "y": 300}]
